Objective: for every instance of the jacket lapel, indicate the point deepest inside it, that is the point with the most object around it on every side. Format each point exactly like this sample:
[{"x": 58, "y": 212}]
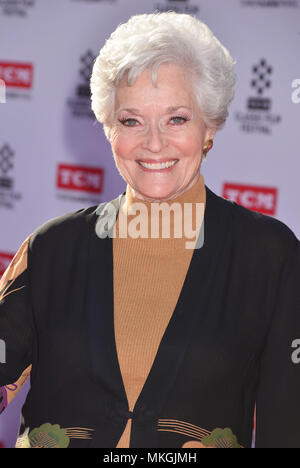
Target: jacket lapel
[{"x": 104, "y": 359}]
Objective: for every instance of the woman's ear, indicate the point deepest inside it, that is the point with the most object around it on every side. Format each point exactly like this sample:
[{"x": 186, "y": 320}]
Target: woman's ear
[{"x": 210, "y": 134}]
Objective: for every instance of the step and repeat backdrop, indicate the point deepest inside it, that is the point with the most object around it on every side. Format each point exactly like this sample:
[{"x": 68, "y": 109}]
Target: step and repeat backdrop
[{"x": 54, "y": 157}]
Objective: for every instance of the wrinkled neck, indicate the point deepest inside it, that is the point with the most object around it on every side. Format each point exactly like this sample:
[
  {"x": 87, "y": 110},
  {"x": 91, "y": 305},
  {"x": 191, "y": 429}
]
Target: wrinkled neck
[{"x": 175, "y": 219}]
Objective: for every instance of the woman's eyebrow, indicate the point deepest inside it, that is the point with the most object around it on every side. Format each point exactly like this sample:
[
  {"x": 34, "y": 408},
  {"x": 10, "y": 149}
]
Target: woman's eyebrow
[
  {"x": 170, "y": 109},
  {"x": 176, "y": 108},
  {"x": 130, "y": 110}
]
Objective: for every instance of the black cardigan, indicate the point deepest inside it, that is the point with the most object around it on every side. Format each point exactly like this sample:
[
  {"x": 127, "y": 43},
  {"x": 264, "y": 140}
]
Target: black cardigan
[{"x": 228, "y": 347}]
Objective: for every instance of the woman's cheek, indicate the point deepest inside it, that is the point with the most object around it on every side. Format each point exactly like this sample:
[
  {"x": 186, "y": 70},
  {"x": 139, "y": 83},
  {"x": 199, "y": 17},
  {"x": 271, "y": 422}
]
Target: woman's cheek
[{"x": 124, "y": 146}]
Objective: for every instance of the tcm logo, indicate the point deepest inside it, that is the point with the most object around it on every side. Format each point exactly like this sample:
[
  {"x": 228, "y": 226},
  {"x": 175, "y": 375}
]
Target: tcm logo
[
  {"x": 5, "y": 259},
  {"x": 17, "y": 75},
  {"x": 262, "y": 199},
  {"x": 86, "y": 179}
]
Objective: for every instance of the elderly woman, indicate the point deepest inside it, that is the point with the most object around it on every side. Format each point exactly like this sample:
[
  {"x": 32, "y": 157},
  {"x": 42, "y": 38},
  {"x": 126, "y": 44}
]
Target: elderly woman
[{"x": 131, "y": 337}]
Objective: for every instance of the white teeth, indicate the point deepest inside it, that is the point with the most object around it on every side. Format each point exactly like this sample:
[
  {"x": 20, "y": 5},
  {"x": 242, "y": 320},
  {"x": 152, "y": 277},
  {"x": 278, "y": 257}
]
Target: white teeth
[{"x": 164, "y": 165}]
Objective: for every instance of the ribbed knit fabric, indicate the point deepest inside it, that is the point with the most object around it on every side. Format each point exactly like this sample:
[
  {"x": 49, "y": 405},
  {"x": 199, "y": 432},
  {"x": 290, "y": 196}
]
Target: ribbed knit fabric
[{"x": 148, "y": 277}]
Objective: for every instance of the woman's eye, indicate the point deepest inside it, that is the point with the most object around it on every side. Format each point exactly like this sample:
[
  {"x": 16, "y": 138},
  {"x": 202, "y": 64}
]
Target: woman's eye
[
  {"x": 129, "y": 122},
  {"x": 178, "y": 120}
]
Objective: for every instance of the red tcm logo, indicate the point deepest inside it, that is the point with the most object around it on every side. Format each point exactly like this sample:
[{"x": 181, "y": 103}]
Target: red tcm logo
[
  {"x": 17, "y": 75},
  {"x": 262, "y": 199},
  {"x": 5, "y": 259},
  {"x": 86, "y": 179}
]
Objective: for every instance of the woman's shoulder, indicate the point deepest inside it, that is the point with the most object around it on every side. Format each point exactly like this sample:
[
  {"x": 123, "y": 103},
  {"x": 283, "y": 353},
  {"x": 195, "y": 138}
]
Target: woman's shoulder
[
  {"x": 71, "y": 226},
  {"x": 66, "y": 223},
  {"x": 80, "y": 216},
  {"x": 263, "y": 230}
]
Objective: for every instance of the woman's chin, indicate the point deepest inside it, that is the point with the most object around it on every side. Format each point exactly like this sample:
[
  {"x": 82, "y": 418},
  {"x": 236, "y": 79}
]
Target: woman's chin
[{"x": 157, "y": 195}]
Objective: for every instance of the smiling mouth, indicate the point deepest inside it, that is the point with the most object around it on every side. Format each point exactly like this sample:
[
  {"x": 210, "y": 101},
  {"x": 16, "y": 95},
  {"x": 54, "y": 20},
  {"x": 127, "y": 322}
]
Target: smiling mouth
[{"x": 158, "y": 166}]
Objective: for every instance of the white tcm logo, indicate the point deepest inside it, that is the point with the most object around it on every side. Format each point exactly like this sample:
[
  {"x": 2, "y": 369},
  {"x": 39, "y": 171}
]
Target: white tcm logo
[
  {"x": 262, "y": 199},
  {"x": 86, "y": 179},
  {"x": 17, "y": 75}
]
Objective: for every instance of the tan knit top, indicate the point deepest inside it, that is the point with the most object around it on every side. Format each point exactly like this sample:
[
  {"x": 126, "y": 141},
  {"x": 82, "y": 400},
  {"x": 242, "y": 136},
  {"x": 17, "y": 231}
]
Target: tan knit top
[{"x": 148, "y": 277}]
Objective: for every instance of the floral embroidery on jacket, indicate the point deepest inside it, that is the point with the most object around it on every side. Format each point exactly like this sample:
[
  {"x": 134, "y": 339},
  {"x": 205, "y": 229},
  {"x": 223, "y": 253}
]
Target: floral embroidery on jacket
[
  {"x": 221, "y": 438},
  {"x": 52, "y": 436},
  {"x": 47, "y": 436},
  {"x": 200, "y": 438}
]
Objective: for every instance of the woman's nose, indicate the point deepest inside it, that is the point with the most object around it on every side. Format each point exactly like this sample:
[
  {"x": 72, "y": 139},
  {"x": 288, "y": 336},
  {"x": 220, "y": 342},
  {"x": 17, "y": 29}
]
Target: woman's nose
[{"x": 154, "y": 139}]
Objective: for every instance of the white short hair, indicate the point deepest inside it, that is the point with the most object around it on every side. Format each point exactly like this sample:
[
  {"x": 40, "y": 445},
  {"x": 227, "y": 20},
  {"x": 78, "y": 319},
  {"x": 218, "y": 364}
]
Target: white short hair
[{"x": 148, "y": 40}]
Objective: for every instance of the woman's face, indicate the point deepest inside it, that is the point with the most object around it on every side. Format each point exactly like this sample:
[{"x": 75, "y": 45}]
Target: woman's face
[{"x": 158, "y": 134}]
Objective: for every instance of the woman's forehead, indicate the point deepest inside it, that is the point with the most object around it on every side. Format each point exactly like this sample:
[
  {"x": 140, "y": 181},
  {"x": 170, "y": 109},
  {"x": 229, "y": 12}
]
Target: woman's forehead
[
  {"x": 166, "y": 71},
  {"x": 172, "y": 89}
]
